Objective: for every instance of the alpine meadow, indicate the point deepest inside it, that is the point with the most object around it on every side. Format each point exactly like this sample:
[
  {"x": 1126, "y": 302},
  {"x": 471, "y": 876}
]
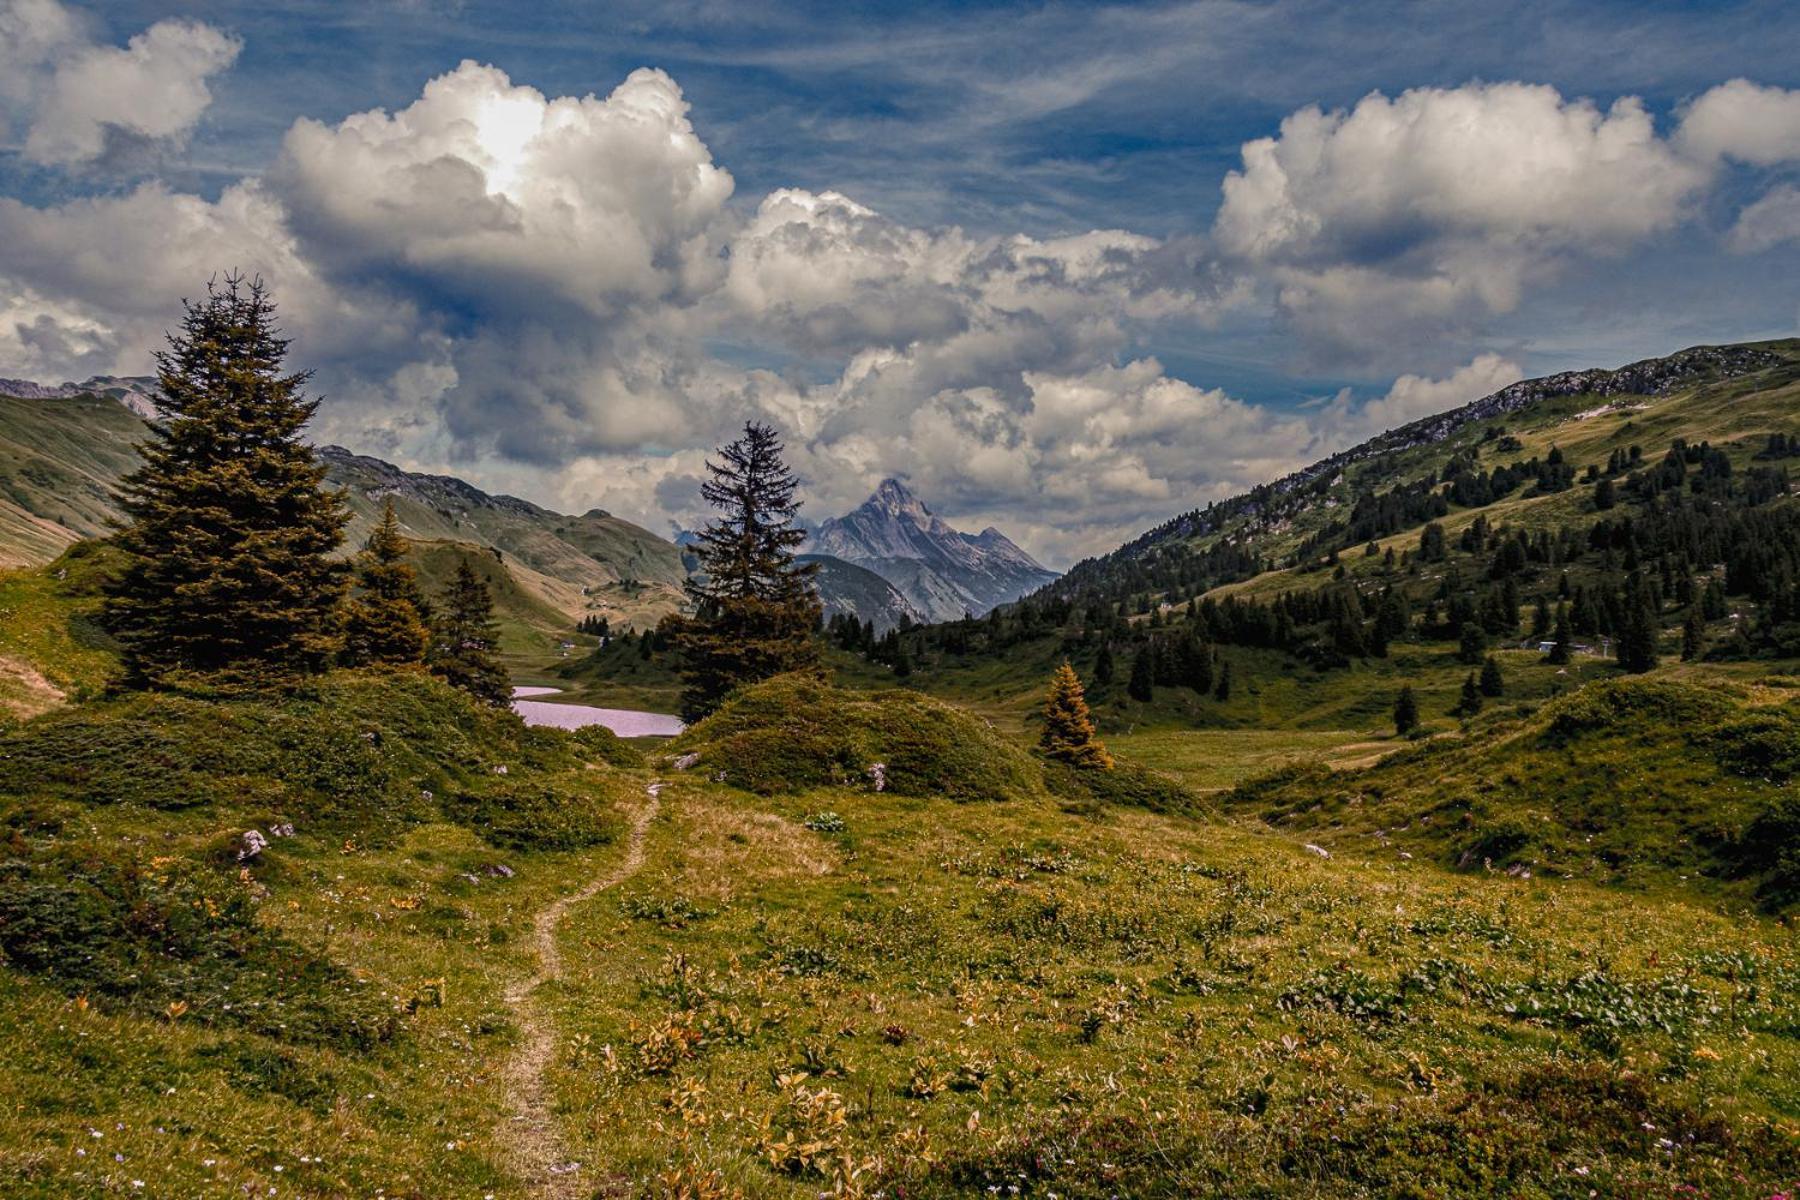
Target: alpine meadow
[{"x": 1051, "y": 601}]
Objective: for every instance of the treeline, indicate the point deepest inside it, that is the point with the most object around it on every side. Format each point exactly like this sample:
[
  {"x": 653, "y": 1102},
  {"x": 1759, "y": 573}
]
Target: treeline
[
  {"x": 1696, "y": 535},
  {"x": 230, "y": 580}
]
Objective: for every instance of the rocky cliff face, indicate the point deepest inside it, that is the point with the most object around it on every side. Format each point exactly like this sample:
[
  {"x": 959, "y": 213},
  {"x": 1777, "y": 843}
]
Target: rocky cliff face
[{"x": 941, "y": 572}]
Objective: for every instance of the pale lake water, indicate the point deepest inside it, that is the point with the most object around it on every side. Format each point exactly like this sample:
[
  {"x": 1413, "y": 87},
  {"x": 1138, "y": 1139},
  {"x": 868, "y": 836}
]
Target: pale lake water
[{"x": 625, "y": 722}]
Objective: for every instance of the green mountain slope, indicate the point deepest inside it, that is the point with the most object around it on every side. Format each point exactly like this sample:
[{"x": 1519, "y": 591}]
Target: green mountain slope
[
  {"x": 1719, "y": 394},
  {"x": 62, "y": 456},
  {"x": 59, "y": 460}
]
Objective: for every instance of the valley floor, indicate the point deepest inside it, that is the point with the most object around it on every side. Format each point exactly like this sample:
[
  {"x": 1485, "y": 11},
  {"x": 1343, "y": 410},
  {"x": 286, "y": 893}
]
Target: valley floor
[{"x": 870, "y": 993}]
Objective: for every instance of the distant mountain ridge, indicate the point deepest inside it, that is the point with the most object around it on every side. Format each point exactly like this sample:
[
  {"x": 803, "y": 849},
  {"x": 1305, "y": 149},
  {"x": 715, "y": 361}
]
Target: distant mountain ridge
[
  {"x": 64, "y": 447},
  {"x": 136, "y": 392},
  {"x": 941, "y": 572},
  {"x": 1240, "y": 519}
]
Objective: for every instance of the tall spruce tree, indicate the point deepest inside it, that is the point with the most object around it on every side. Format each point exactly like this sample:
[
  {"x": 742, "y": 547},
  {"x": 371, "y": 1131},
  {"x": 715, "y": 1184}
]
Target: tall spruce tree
[
  {"x": 1142, "y": 684},
  {"x": 755, "y": 607},
  {"x": 1640, "y": 632},
  {"x": 1493, "y": 684},
  {"x": 465, "y": 640},
  {"x": 1693, "y": 636},
  {"x": 1068, "y": 730},
  {"x": 231, "y": 530},
  {"x": 1406, "y": 712},
  {"x": 1470, "y": 701},
  {"x": 1560, "y": 640},
  {"x": 384, "y": 621}
]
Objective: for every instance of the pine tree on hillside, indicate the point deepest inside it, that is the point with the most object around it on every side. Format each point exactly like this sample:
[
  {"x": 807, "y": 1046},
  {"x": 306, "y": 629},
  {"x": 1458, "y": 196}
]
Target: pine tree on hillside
[
  {"x": 1223, "y": 691},
  {"x": 1406, "y": 712},
  {"x": 465, "y": 640},
  {"x": 755, "y": 607},
  {"x": 1472, "y": 646},
  {"x": 1068, "y": 730},
  {"x": 230, "y": 528},
  {"x": 1560, "y": 639},
  {"x": 1693, "y": 636},
  {"x": 1470, "y": 702},
  {"x": 1640, "y": 633},
  {"x": 1103, "y": 665},
  {"x": 384, "y": 622},
  {"x": 1493, "y": 685},
  {"x": 1142, "y": 685}
]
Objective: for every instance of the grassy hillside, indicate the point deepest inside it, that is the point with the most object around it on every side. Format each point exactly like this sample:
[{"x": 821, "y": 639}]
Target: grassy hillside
[
  {"x": 51, "y": 647},
  {"x": 59, "y": 460},
  {"x": 1652, "y": 783},
  {"x": 311, "y": 1017},
  {"x": 803, "y": 985}
]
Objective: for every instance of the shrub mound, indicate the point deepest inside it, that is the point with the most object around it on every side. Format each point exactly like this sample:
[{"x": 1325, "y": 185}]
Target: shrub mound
[
  {"x": 1127, "y": 784},
  {"x": 169, "y": 938},
  {"x": 796, "y": 732},
  {"x": 366, "y": 752}
]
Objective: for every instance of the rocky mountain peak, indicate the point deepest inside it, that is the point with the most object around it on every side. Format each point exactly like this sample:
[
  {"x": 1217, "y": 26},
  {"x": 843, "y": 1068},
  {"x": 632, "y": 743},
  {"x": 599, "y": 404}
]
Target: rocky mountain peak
[
  {"x": 941, "y": 572},
  {"x": 894, "y": 498}
]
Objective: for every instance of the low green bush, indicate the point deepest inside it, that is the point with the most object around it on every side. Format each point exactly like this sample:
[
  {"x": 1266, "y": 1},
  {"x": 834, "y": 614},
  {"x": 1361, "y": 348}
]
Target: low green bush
[
  {"x": 795, "y": 732},
  {"x": 565, "y": 811},
  {"x": 173, "y": 939},
  {"x": 1127, "y": 784}
]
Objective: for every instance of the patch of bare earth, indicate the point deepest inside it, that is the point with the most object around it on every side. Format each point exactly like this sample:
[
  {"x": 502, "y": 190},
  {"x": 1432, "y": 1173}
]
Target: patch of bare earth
[{"x": 24, "y": 692}]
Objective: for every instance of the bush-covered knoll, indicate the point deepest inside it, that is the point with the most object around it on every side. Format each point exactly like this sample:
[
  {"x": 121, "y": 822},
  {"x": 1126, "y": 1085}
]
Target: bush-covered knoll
[
  {"x": 366, "y": 753},
  {"x": 1626, "y": 780},
  {"x": 797, "y": 732}
]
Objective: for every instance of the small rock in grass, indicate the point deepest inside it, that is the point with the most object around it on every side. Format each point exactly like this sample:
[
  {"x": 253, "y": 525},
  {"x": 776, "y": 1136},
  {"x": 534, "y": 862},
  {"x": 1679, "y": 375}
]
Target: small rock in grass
[
  {"x": 253, "y": 844},
  {"x": 1321, "y": 851},
  {"x": 687, "y": 760},
  {"x": 283, "y": 830},
  {"x": 500, "y": 871}
]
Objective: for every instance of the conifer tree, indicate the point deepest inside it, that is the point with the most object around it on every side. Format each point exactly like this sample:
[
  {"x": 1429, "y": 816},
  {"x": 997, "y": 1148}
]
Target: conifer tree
[
  {"x": 466, "y": 639},
  {"x": 1560, "y": 639},
  {"x": 1142, "y": 684},
  {"x": 1470, "y": 702},
  {"x": 1406, "y": 712},
  {"x": 1223, "y": 691},
  {"x": 1103, "y": 665},
  {"x": 1473, "y": 644},
  {"x": 384, "y": 622},
  {"x": 1693, "y": 636},
  {"x": 1068, "y": 730},
  {"x": 1639, "y": 634},
  {"x": 230, "y": 529},
  {"x": 755, "y": 607},
  {"x": 1492, "y": 683}
]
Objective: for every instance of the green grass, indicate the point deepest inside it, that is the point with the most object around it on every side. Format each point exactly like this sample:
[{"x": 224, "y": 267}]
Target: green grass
[
  {"x": 948, "y": 1000},
  {"x": 825, "y": 985},
  {"x": 51, "y": 646},
  {"x": 324, "y": 1018},
  {"x": 1652, "y": 782},
  {"x": 1215, "y": 759}
]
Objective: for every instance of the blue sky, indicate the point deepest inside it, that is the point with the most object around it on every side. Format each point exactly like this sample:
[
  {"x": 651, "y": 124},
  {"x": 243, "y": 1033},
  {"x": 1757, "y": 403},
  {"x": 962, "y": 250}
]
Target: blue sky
[{"x": 1069, "y": 390}]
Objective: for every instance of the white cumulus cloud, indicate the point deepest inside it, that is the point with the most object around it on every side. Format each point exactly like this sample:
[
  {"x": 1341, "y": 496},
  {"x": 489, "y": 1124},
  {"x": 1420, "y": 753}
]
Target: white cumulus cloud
[
  {"x": 1445, "y": 202},
  {"x": 85, "y": 102}
]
